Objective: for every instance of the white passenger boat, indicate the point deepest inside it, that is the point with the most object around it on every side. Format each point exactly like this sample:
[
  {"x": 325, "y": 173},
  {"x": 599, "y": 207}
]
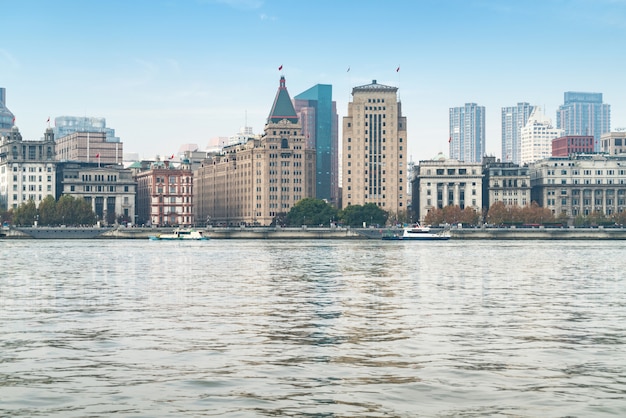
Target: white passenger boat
[
  {"x": 181, "y": 234},
  {"x": 418, "y": 232}
]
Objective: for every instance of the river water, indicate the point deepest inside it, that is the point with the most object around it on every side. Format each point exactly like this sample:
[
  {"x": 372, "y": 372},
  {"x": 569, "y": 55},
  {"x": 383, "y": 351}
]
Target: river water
[{"x": 312, "y": 328}]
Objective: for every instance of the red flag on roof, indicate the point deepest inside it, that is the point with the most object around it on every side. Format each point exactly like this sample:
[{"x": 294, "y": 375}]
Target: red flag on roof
[
  {"x": 172, "y": 157},
  {"x": 280, "y": 68},
  {"x": 98, "y": 155},
  {"x": 397, "y": 69}
]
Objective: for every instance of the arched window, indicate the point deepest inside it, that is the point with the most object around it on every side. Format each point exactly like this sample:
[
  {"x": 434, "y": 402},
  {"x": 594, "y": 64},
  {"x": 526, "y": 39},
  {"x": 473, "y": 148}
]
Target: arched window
[{"x": 284, "y": 143}]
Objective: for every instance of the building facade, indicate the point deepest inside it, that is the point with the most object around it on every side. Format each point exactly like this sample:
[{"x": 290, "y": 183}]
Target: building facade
[
  {"x": 613, "y": 143},
  {"x": 27, "y": 169},
  {"x": 89, "y": 147},
  {"x": 505, "y": 182},
  {"x": 317, "y": 113},
  {"x": 536, "y": 137},
  {"x": 580, "y": 184},
  {"x": 584, "y": 114},
  {"x": 573, "y": 144},
  {"x": 374, "y": 150},
  {"x": 66, "y": 125},
  {"x": 256, "y": 182},
  {"x": 442, "y": 182},
  {"x": 514, "y": 118},
  {"x": 165, "y": 195},
  {"x": 110, "y": 190},
  {"x": 467, "y": 133}
]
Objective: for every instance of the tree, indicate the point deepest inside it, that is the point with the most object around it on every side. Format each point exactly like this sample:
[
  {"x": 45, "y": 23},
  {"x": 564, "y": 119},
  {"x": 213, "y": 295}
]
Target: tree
[
  {"x": 469, "y": 216},
  {"x": 619, "y": 218},
  {"x": 370, "y": 213},
  {"x": 25, "y": 214},
  {"x": 434, "y": 217},
  {"x": 48, "y": 211},
  {"x": 498, "y": 214},
  {"x": 311, "y": 211},
  {"x": 452, "y": 214}
]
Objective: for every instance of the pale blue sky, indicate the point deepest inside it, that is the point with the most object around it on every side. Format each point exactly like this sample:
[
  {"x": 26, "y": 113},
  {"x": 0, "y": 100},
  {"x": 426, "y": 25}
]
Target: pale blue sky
[{"x": 169, "y": 72}]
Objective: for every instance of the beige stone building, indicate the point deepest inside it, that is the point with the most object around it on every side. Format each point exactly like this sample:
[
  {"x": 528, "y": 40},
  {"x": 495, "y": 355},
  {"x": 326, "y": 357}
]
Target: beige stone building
[
  {"x": 252, "y": 183},
  {"x": 613, "y": 143},
  {"x": 89, "y": 147},
  {"x": 374, "y": 150}
]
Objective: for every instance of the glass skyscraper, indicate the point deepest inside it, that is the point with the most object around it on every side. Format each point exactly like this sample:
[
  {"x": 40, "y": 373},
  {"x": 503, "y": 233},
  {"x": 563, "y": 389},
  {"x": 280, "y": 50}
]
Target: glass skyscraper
[
  {"x": 467, "y": 133},
  {"x": 514, "y": 118},
  {"x": 318, "y": 115},
  {"x": 6, "y": 117},
  {"x": 67, "y": 125},
  {"x": 584, "y": 114}
]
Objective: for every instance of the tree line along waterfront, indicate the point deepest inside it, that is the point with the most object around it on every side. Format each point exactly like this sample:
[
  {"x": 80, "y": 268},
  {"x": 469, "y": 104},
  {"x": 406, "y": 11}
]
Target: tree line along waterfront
[{"x": 317, "y": 212}]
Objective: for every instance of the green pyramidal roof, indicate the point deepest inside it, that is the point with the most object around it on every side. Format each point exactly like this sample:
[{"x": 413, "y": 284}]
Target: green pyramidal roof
[{"x": 282, "y": 108}]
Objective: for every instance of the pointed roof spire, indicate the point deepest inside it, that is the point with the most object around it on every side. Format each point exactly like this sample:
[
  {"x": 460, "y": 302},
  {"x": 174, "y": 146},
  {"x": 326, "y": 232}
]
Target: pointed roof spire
[{"x": 283, "y": 107}]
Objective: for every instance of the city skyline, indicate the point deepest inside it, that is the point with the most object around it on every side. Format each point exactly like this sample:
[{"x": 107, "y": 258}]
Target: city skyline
[{"x": 165, "y": 74}]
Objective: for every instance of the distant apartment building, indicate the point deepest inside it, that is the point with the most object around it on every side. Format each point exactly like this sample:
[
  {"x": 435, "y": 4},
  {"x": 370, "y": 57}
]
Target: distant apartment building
[
  {"x": 317, "y": 113},
  {"x": 514, "y": 118},
  {"x": 7, "y": 119},
  {"x": 613, "y": 143},
  {"x": 467, "y": 133},
  {"x": 27, "y": 169},
  {"x": 505, "y": 182},
  {"x": 110, "y": 190},
  {"x": 165, "y": 195},
  {"x": 89, "y": 147},
  {"x": 565, "y": 146},
  {"x": 255, "y": 182},
  {"x": 66, "y": 125},
  {"x": 536, "y": 137},
  {"x": 374, "y": 150},
  {"x": 442, "y": 182},
  {"x": 584, "y": 114},
  {"x": 580, "y": 184}
]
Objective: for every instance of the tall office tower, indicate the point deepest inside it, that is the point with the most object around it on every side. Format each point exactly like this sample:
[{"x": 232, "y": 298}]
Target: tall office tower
[
  {"x": 318, "y": 115},
  {"x": 467, "y": 133},
  {"x": 374, "y": 163},
  {"x": 584, "y": 114},
  {"x": 536, "y": 137},
  {"x": 7, "y": 120},
  {"x": 514, "y": 118},
  {"x": 67, "y": 125}
]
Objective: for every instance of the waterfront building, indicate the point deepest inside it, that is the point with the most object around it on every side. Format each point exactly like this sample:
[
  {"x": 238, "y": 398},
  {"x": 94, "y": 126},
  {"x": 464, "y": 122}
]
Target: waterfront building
[
  {"x": 374, "y": 163},
  {"x": 613, "y": 143},
  {"x": 66, "y": 125},
  {"x": 442, "y": 182},
  {"x": 7, "y": 119},
  {"x": 514, "y": 118},
  {"x": 584, "y": 114},
  {"x": 165, "y": 195},
  {"x": 110, "y": 189},
  {"x": 505, "y": 182},
  {"x": 27, "y": 169},
  {"x": 317, "y": 113},
  {"x": 255, "y": 182},
  {"x": 580, "y": 184},
  {"x": 536, "y": 137},
  {"x": 89, "y": 147},
  {"x": 572, "y": 144},
  {"x": 467, "y": 133}
]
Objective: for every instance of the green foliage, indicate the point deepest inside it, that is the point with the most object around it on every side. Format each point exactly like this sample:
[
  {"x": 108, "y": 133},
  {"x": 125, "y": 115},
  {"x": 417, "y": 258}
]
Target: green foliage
[
  {"x": 311, "y": 211},
  {"x": 25, "y": 214},
  {"x": 48, "y": 211},
  {"x": 370, "y": 213}
]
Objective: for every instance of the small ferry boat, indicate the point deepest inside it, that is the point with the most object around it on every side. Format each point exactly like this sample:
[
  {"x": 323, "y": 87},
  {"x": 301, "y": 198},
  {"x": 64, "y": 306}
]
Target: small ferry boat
[
  {"x": 418, "y": 232},
  {"x": 181, "y": 234}
]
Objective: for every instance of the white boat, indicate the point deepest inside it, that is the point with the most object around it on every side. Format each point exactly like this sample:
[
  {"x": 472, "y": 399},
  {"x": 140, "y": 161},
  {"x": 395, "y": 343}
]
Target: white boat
[
  {"x": 418, "y": 232},
  {"x": 181, "y": 234}
]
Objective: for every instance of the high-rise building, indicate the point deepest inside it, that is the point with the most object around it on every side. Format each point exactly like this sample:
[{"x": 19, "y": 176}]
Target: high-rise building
[
  {"x": 318, "y": 115},
  {"x": 513, "y": 120},
  {"x": 584, "y": 114},
  {"x": 89, "y": 147},
  {"x": 536, "y": 137},
  {"x": 374, "y": 163},
  {"x": 7, "y": 120},
  {"x": 467, "y": 133},
  {"x": 66, "y": 125},
  {"x": 256, "y": 182}
]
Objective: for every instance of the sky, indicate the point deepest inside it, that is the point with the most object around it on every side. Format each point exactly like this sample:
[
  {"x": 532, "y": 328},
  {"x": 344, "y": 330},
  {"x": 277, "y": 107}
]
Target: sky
[{"x": 165, "y": 73}]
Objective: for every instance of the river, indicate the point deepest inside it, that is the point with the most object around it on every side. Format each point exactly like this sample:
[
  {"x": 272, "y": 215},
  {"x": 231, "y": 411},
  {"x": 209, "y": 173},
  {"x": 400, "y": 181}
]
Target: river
[{"x": 237, "y": 328}]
